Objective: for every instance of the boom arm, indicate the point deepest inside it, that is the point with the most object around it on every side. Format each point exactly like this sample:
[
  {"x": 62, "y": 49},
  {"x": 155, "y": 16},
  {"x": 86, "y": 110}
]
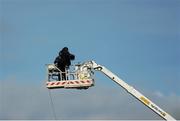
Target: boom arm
[{"x": 130, "y": 89}]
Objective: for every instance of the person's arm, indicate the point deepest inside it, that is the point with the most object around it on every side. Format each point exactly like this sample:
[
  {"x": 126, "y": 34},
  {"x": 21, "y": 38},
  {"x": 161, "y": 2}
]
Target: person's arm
[
  {"x": 72, "y": 57},
  {"x": 56, "y": 60}
]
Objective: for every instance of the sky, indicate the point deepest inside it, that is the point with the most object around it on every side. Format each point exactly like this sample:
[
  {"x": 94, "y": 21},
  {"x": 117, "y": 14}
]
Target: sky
[{"x": 137, "y": 40}]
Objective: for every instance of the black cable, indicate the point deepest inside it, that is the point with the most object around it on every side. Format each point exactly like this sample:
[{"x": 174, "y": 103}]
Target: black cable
[{"x": 52, "y": 105}]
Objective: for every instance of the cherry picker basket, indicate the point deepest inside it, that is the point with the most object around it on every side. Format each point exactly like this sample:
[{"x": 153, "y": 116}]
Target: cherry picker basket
[{"x": 76, "y": 77}]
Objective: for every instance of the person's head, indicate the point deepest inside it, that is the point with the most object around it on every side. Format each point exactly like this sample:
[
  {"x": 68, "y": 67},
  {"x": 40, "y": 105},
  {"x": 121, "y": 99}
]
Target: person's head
[{"x": 65, "y": 49}]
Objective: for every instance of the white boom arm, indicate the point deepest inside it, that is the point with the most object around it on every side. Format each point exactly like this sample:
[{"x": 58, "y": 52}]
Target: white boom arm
[{"x": 130, "y": 89}]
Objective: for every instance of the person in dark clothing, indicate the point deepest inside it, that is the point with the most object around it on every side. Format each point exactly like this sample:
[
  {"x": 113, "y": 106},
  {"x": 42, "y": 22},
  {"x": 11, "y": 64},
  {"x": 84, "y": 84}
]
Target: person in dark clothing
[{"x": 63, "y": 61}]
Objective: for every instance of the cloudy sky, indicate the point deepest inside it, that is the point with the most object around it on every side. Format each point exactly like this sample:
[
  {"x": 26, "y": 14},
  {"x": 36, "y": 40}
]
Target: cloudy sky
[{"x": 137, "y": 40}]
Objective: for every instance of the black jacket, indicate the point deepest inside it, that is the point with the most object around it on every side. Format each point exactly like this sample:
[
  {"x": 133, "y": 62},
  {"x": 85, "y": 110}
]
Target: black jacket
[{"x": 64, "y": 59}]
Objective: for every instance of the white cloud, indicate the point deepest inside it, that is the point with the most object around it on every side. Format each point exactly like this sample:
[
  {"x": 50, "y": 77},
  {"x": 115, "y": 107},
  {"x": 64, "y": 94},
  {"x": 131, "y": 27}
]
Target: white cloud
[
  {"x": 29, "y": 101},
  {"x": 159, "y": 94}
]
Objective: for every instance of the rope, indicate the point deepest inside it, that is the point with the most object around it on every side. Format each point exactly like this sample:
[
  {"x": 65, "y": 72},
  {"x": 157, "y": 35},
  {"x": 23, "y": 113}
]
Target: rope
[{"x": 52, "y": 105}]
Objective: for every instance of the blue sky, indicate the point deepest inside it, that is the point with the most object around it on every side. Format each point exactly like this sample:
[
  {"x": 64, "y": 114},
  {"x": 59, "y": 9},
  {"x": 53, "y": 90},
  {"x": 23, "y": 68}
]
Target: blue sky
[{"x": 137, "y": 40}]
